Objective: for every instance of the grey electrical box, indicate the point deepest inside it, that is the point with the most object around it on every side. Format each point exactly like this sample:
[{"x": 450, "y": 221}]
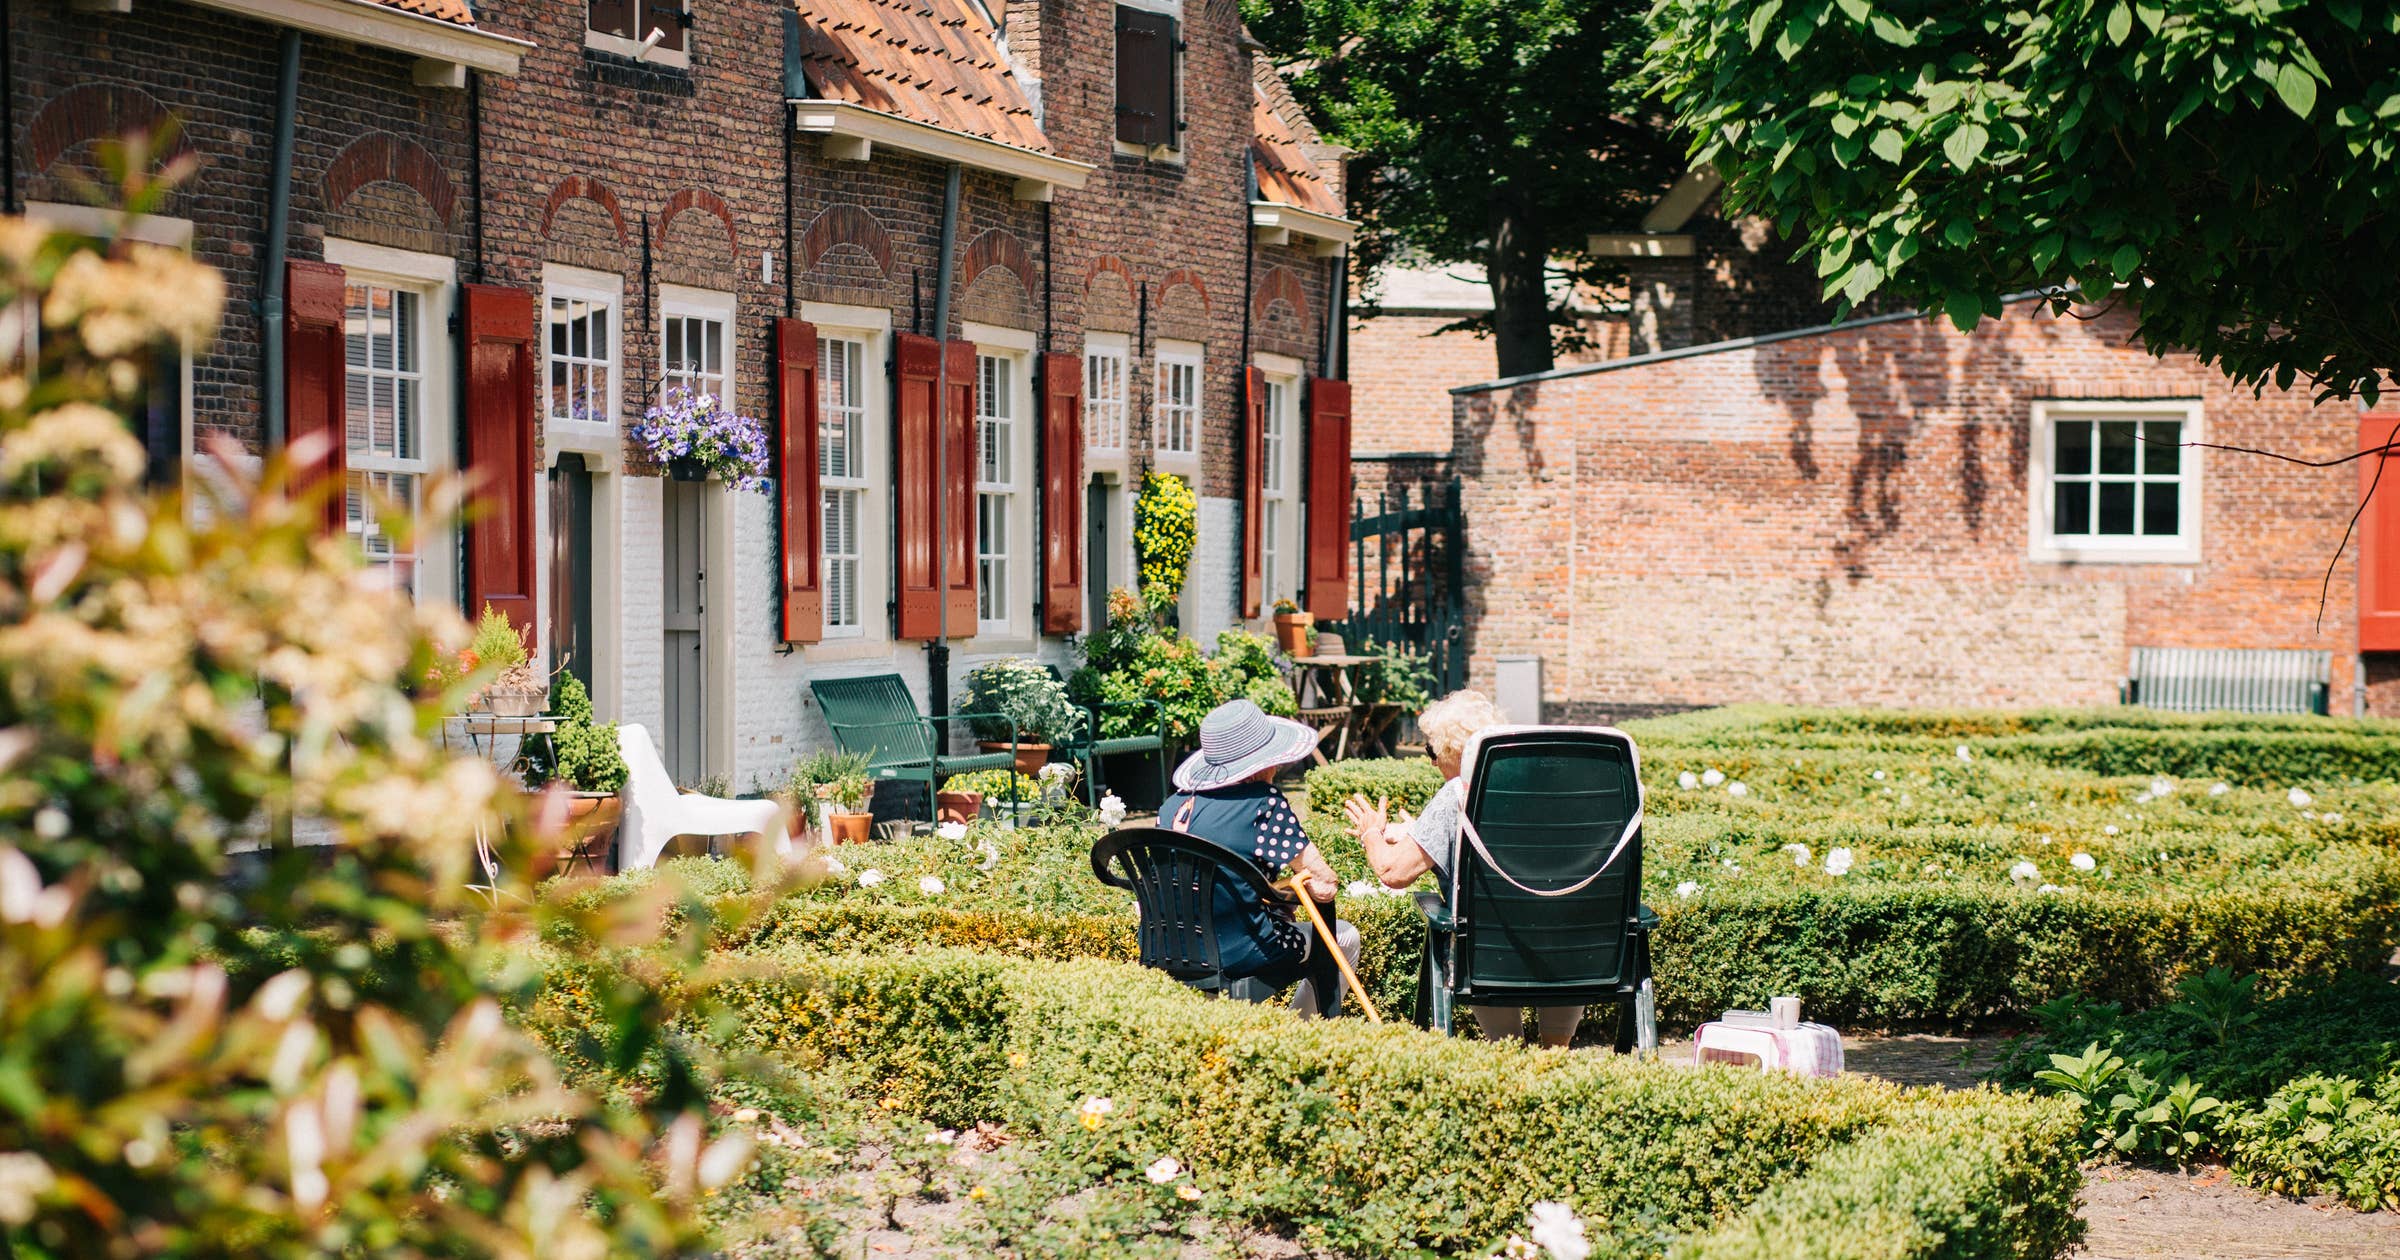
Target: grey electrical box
[{"x": 1517, "y": 690}]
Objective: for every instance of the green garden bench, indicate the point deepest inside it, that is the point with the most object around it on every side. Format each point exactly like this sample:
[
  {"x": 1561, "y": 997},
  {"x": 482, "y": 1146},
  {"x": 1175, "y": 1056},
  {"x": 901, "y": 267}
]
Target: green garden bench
[
  {"x": 875, "y": 715},
  {"x": 1545, "y": 903},
  {"x": 2237, "y": 680},
  {"x": 1089, "y": 747}
]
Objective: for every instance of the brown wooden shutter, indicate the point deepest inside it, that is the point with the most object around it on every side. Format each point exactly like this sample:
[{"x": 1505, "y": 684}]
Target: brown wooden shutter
[
  {"x": 499, "y": 327},
  {"x": 960, "y": 428},
  {"x": 2379, "y": 536},
  {"x": 614, "y": 17},
  {"x": 1254, "y": 482},
  {"x": 1328, "y": 499},
  {"x": 664, "y": 15},
  {"x": 1062, "y": 493},
  {"x": 796, "y": 491},
  {"x": 316, "y": 384},
  {"x": 916, "y": 359},
  {"x": 1146, "y": 104}
]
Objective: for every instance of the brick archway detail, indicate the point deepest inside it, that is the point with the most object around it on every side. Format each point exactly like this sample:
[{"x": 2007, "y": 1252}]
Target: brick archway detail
[
  {"x": 699, "y": 199},
  {"x": 1184, "y": 275},
  {"x": 379, "y": 157},
  {"x": 95, "y": 111},
  {"x": 1109, "y": 263},
  {"x": 996, "y": 247},
  {"x": 845, "y": 224},
  {"x": 1279, "y": 284},
  {"x": 591, "y": 190}
]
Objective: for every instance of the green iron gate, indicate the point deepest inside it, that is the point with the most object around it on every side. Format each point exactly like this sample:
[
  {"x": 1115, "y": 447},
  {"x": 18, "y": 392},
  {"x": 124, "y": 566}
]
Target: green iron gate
[{"x": 1407, "y": 576}]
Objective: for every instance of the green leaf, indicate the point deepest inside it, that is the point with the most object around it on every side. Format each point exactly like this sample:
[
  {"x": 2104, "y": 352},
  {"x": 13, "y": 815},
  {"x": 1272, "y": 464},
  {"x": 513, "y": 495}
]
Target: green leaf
[
  {"x": 1964, "y": 309},
  {"x": 1860, "y": 10},
  {"x": 2127, "y": 261},
  {"x": 1959, "y": 232},
  {"x": 1887, "y": 145},
  {"x": 1891, "y": 32},
  {"x": 2344, "y": 12},
  {"x": 2120, "y": 23},
  {"x": 2044, "y": 251},
  {"x": 1965, "y": 145},
  {"x": 2298, "y": 90},
  {"x": 1760, "y": 18}
]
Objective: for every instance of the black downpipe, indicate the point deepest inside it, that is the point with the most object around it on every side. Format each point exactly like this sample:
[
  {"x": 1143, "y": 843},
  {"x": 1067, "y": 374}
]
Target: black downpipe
[
  {"x": 795, "y": 87},
  {"x": 8, "y": 109},
  {"x": 1241, "y": 373},
  {"x": 937, "y": 664},
  {"x": 658, "y": 373},
  {"x": 279, "y": 211},
  {"x": 1049, "y": 265},
  {"x": 475, "y": 174}
]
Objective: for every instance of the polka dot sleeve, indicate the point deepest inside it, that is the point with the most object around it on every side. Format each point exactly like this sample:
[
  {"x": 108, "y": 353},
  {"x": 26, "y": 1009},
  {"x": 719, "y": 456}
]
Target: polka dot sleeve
[{"x": 1277, "y": 837}]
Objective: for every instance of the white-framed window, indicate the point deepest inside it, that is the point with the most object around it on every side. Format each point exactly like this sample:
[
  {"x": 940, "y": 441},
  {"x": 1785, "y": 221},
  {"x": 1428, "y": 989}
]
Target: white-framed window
[
  {"x": 396, "y": 307},
  {"x": 1105, "y": 391},
  {"x": 995, "y": 487},
  {"x": 2115, "y": 481},
  {"x": 842, "y": 458},
  {"x": 1279, "y": 514},
  {"x": 580, "y": 350},
  {"x": 695, "y": 336},
  {"x": 622, "y": 27},
  {"x": 1175, "y": 405}
]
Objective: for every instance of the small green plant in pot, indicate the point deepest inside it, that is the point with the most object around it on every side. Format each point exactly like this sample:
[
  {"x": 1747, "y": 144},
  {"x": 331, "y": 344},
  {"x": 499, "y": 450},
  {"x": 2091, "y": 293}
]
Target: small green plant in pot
[
  {"x": 1021, "y": 700},
  {"x": 848, "y": 821},
  {"x": 1295, "y": 631},
  {"x": 816, "y": 781},
  {"x": 499, "y": 646}
]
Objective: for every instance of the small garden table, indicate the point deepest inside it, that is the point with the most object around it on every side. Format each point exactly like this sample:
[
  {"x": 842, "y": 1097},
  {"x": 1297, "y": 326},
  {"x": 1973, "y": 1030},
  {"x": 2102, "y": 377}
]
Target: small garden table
[
  {"x": 1327, "y": 687},
  {"x": 480, "y": 728}
]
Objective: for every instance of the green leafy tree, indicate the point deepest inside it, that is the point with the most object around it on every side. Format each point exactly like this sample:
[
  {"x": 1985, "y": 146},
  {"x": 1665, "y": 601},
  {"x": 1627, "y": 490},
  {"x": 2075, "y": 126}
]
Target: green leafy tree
[
  {"x": 2235, "y": 164},
  {"x": 1492, "y": 133}
]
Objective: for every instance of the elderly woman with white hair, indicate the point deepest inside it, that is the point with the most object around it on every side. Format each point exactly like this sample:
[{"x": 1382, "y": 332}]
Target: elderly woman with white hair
[{"x": 1400, "y": 850}]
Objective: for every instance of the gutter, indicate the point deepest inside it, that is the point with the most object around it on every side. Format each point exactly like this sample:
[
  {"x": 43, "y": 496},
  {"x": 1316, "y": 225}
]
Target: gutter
[
  {"x": 937, "y": 673},
  {"x": 279, "y": 213}
]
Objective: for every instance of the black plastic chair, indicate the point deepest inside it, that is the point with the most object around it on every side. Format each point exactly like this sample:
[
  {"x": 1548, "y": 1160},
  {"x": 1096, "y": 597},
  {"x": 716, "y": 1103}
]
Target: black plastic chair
[
  {"x": 1173, "y": 878},
  {"x": 1547, "y": 910}
]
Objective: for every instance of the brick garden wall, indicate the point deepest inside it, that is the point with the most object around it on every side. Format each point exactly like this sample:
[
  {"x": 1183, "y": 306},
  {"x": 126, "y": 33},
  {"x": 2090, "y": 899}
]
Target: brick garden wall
[{"x": 1842, "y": 519}]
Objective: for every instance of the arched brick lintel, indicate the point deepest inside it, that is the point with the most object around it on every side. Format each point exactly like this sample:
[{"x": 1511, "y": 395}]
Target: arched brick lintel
[
  {"x": 1279, "y": 284},
  {"x": 699, "y": 199},
  {"x": 95, "y": 111},
  {"x": 1113, "y": 264},
  {"x": 1184, "y": 275},
  {"x": 996, "y": 247},
  {"x": 380, "y": 157},
  {"x": 845, "y": 224},
  {"x": 591, "y": 190}
]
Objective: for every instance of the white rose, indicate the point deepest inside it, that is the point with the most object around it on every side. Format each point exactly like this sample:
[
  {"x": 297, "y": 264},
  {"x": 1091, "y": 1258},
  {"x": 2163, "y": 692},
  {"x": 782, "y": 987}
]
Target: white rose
[
  {"x": 1166, "y": 1169},
  {"x": 1556, "y": 1230},
  {"x": 2299, "y": 799},
  {"x": 1801, "y": 856},
  {"x": 2082, "y": 862},
  {"x": 1112, "y": 810},
  {"x": 1686, "y": 888},
  {"x": 1712, "y": 777},
  {"x": 2162, "y": 787},
  {"x": 2219, "y": 789},
  {"x": 1965, "y": 753},
  {"x": 951, "y": 831},
  {"x": 1838, "y": 862},
  {"x": 932, "y": 886},
  {"x": 1737, "y": 788},
  {"x": 1879, "y": 776},
  {"x": 1687, "y": 780},
  {"x": 2024, "y": 873},
  {"x": 869, "y": 877}
]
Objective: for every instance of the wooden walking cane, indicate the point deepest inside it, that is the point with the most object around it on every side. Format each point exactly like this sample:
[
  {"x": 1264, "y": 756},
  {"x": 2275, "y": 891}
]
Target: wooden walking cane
[{"x": 1325, "y": 933}]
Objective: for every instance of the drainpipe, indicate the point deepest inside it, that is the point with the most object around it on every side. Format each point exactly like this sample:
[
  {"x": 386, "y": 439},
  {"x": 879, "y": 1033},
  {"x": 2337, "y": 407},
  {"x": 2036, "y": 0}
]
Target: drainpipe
[
  {"x": 279, "y": 211},
  {"x": 475, "y": 181},
  {"x": 937, "y": 653},
  {"x": 8, "y": 110}
]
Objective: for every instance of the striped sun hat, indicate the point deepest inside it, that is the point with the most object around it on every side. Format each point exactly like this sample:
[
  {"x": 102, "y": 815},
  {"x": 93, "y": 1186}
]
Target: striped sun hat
[{"x": 1237, "y": 740}]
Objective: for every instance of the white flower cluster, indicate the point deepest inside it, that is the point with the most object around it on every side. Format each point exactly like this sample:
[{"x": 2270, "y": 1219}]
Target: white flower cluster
[
  {"x": 1838, "y": 862},
  {"x": 951, "y": 831},
  {"x": 1112, "y": 810}
]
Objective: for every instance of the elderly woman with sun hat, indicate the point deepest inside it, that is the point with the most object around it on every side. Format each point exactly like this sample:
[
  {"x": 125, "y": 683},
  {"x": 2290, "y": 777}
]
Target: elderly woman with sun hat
[{"x": 1225, "y": 793}]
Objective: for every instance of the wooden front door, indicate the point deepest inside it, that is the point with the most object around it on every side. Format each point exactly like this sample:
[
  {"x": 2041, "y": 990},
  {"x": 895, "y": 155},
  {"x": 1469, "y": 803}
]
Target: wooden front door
[{"x": 686, "y": 607}]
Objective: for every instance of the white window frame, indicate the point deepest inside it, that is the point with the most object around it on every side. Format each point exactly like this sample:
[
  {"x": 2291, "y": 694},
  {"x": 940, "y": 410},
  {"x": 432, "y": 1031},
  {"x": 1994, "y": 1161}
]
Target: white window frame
[
  {"x": 677, "y": 302},
  {"x": 618, "y": 45},
  {"x": 1171, "y": 153},
  {"x": 1105, "y": 417},
  {"x": 1279, "y": 488},
  {"x": 2044, "y": 545},
  {"x": 434, "y": 279},
  {"x": 870, "y": 327},
  {"x": 601, "y": 438},
  {"x": 1014, "y": 347},
  {"x": 20, "y": 330},
  {"x": 1163, "y": 417}
]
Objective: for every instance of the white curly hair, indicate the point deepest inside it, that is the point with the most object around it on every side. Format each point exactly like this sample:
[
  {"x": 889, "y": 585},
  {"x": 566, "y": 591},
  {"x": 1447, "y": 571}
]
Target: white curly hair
[{"x": 1448, "y": 723}]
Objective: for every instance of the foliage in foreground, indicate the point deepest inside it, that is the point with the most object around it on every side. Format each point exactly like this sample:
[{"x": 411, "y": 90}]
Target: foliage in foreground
[
  {"x": 2229, "y": 162},
  {"x": 1375, "y": 1142},
  {"x": 2300, "y": 1095},
  {"x": 214, "y": 1042}
]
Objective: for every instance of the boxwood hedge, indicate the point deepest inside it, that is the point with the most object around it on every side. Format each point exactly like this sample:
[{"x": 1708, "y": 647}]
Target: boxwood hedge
[{"x": 1388, "y": 1141}]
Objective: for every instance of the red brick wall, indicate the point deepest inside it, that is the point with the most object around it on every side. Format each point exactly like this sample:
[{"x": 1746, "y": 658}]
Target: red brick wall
[
  {"x": 1403, "y": 370},
  {"x": 1842, "y": 519}
]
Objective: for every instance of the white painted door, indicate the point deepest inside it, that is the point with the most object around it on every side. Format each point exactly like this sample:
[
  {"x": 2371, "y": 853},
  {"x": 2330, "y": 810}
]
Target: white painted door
[{"x": 686, "y": 597}]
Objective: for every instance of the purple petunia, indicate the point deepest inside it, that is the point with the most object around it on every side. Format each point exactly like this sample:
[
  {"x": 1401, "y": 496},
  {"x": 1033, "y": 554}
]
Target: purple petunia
[{"x": 696, "y": 425}]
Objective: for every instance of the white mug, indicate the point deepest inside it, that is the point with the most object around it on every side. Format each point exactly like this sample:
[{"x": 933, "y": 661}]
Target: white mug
[{"x": 1787, "y": 1011}]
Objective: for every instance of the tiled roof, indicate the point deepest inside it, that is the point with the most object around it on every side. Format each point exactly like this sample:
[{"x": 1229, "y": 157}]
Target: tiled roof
[
  {"x": 936, "y": 62},
  {"x": 447, "y": 10},
  {"x": 1286, "y": 175}
]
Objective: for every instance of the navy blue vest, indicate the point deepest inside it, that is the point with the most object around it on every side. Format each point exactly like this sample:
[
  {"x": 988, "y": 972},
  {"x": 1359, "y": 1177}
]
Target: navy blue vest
[{"x": 1251, "y": 936}]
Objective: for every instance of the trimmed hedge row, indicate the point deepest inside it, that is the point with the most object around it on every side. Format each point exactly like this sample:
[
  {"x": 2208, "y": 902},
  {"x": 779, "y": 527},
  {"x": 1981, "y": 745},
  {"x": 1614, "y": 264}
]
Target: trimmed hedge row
[{"x": 1384, "y": 1140}]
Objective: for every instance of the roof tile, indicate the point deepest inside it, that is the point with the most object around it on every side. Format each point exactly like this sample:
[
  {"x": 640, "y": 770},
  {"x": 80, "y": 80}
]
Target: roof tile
[
  {"x": 935, "y": 62},
  {"x": 447, "y": 10},
  {"x": 1286, "y": 176}
]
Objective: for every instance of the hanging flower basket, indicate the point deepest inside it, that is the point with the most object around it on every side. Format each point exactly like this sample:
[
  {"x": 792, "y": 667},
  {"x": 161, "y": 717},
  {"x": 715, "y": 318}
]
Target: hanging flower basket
[{"x": 697, "y": 437}]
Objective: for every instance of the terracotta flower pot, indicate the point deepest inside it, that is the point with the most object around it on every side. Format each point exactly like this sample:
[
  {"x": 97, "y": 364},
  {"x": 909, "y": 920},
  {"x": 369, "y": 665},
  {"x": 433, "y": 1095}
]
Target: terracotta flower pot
[
  {"x": 592, "y": 819},
  {"x": 515, "y": 702},
  {"x": 850, "y": 828},
  {"x": 1293, "y": 631},
  {"x": 1030, "y": 757},
  {"x": 962, "y": 807}
]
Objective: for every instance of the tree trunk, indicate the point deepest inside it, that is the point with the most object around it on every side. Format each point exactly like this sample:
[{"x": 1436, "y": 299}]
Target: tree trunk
[{"x": 1520, "y": 300}]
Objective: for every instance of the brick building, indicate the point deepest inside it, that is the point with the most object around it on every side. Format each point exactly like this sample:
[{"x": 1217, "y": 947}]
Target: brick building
[
  {"x": 1888, "y": 512},
  {"x": 513, "y": 229}
]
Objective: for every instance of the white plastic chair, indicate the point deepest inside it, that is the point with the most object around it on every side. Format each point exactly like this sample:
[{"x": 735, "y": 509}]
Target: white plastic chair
[{"x": 656, "y": 813}]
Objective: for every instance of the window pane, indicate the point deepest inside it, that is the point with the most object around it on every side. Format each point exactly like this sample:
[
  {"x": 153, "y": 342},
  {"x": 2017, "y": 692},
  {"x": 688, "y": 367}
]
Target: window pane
[
  {"x": 2116, "y": 506},
  {"x": 2074, "y": 447},
  {"x": 2162, "y": 454},
  {"x": 2072, "y": 510},
  {"x": 2117, "y": 445},
  {"x": 2161, "y": 504}
]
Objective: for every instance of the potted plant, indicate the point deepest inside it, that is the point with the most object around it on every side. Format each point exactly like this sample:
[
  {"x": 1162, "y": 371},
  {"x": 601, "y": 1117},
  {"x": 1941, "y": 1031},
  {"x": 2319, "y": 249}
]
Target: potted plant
[
  {"x": 1293, "y": 628},
  {"x": 848, "y": 822},
  {"x": 960, "y": 800},
  {"x": 583, "y": 758},
  {"x": 1023, "y": 701},
  {"x": 498, "y": 645},
  {"x": 696, "y": 436},
  {"x": 804, "y": 792},
  {"x": 1002, "y": 795}
]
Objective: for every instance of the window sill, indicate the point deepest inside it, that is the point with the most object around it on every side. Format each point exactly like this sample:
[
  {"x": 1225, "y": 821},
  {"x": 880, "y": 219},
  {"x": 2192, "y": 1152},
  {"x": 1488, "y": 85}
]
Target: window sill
[
  {"x": 1166, "y": 154},
  {"x": 631, "y": 50},
  {"x": 2053, "y": 553},
  {"x": 846, "y": 648}
]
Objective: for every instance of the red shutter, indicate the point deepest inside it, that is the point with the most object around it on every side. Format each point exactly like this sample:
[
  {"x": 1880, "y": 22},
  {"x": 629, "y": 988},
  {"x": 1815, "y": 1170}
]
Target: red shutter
[
  {"x": 1254, "y": 469},
  {"x": 316, "y": 392},
  {"x": 795, "y": 346},
  {"x": 2379, "y": 536},
  {"x": 1062, "y": 493},
  {"x": 960, "y": 425},
  {"x": 1328, "y": 499},
  {"x": 916, "y": 360},
  {"x": 501, "y": 373}
]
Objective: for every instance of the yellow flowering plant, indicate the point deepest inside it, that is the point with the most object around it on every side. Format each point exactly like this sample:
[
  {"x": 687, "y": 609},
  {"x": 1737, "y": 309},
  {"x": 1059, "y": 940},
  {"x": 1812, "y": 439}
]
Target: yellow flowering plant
[{"x": 1166, "y": 525}]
